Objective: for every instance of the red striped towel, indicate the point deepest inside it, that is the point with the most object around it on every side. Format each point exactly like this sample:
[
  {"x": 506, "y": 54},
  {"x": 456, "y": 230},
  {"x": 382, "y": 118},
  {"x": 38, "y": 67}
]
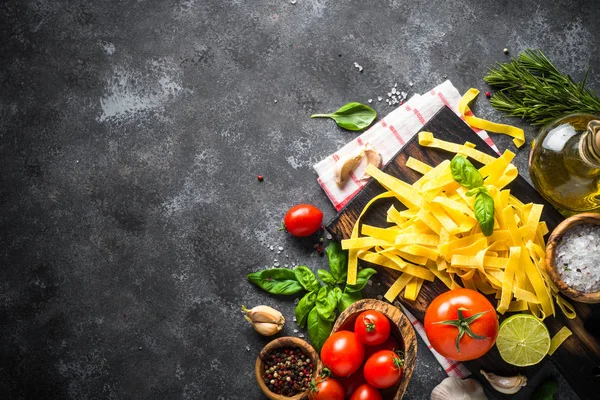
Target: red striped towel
[{"x": 388, "y": 136}]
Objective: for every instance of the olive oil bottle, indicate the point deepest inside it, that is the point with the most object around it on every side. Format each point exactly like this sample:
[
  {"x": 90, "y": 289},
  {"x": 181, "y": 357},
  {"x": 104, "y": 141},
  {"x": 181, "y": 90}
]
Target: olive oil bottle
[{"x": 564, "y": 163}]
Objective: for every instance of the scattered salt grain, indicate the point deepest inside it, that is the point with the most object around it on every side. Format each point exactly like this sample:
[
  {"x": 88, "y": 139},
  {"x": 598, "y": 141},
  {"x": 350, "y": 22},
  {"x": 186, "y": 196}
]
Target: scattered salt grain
[
  {"x": 247, "y": 348},
  {"x": 274, "y": 101},
  {"x": 280, "y": 248},
  {"x": 295, "y": 330},
  {"x": 578, "y": 258},
  {"x": 294, "y": 319},
  {"x": 370, "y": 100},
  {"x": 360, "y": 68},
  {"x": 301, "y": 335},
  {"x": 271, "y": 248},
  {"x": 293, "y": 1}
]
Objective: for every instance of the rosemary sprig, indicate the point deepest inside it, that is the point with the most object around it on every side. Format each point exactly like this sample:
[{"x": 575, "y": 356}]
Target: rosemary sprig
[{"x": 532, "y": 88}]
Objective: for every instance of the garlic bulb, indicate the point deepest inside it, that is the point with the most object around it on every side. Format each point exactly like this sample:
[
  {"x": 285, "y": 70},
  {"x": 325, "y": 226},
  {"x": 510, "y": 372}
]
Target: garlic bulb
[
  {"x": 505, "y": 384},
  {"x": 344, "y": 166},
  {"x": 266, "y": 320},
  {"x": 458, "y": 389}
]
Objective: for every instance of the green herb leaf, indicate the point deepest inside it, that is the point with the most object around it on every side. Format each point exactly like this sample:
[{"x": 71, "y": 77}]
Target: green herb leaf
[
  {"x": 338, "y": 261},
  {"x": 338, "y": 293},
  {"x": 276, "y": 281},
  {"x": 347, "y": 299},
  {"x": 326, "y": 277},
  {"x": 304, "y": 306},
  {"x": 319, "y": 329},
  {"x": 545, "y": 391},
  {"x": 326, "y": 303},
  {"x": 307, "y": 278},
  {"x": 353, "y": 116},
  {"x": 465, "y": 173},
  {"x": 532, "y": 88},
  {"x": 361, "y": 280},
  {"x": 484, "y": 211}
]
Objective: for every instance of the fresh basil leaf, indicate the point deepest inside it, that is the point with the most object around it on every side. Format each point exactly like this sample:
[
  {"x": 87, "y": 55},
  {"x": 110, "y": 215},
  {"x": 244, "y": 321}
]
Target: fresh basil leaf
[
  {"x": 338, "y": 293},
  {"x": 326, "y": 277},
  {"x": 361, "y": 280},
  {"x": 352, "y": 116},
  {"x": 347, "y": 299},
  {"x": 326, "y": 303},
  {"x": 465, "y": 173},
  {"x": 338, "y": 261},
  {"x": 545, "y": 391},
  {"x": 276, "y": 281},
  {"x": 319, "y": 329},
  {"x": 307, "y": 278},
  {"x": 303, "y": 308},
  {"x": 484, "y": 212}
]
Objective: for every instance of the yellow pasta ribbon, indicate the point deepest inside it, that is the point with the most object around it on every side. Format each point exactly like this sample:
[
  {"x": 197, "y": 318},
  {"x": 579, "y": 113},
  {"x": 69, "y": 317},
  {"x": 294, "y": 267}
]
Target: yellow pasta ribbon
[
  {"x": 558, "y": 339},
  {"x": 463, "y": 107}
]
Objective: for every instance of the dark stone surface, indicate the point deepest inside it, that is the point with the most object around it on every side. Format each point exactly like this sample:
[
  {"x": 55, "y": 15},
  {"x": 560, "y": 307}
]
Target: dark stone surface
[{"x": 131, "y": 134}]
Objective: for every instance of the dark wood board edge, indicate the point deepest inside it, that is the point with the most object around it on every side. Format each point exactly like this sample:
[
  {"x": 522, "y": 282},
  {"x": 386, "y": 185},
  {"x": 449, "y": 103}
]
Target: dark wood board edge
[{"x": 577, "y": 359}]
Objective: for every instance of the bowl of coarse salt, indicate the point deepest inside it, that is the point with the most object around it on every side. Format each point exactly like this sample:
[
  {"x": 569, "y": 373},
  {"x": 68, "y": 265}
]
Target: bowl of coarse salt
[{"x": 573, "y": 257}]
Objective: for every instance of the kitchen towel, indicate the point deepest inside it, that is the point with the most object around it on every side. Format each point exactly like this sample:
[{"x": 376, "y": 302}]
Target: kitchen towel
[{"x": 388, "y": 136}]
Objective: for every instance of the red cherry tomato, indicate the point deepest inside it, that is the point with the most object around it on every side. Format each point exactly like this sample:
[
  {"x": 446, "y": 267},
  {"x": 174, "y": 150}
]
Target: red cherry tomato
[
  {"x": 303, "y": 220},
  {"x": 326, "y": 389},
  {"x": 342, "y": 353},
  {"x": 366, "y": 392},
  {"x": 372, "y": 327},
  {"x": 390, "y": 344},
  {"x": 352, "y": 382},
  {"x": 453, "y": 307},
  {"x": 383, "y": 369}
]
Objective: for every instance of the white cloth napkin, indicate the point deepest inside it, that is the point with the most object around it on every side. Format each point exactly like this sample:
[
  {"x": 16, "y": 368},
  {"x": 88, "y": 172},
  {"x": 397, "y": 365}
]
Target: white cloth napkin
[{"x": 388, "y": 136}]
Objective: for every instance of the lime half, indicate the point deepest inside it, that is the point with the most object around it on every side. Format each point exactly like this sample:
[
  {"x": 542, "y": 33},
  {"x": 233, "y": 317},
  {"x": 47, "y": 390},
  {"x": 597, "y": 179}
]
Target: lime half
[{"x": 523, "y": 340}]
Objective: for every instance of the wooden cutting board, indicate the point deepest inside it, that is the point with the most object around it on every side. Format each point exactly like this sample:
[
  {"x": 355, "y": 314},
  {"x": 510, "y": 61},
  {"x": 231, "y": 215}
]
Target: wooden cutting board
[{"x": 578, "y": 359}]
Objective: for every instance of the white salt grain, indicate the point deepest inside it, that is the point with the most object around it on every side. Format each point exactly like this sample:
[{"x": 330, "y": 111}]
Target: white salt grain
[{"x": 577, "y": 258}]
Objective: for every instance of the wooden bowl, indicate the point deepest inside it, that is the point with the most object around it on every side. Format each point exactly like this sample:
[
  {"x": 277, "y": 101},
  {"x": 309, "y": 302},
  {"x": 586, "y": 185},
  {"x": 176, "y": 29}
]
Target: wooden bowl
[
  {"x": 401, "y": 328},
  {"x": 286, "y": 341},
  {"x": 555, "y": 238}
]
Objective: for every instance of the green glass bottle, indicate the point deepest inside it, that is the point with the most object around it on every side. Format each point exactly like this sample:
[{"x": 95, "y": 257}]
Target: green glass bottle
[{"x": 564, "y": 163}]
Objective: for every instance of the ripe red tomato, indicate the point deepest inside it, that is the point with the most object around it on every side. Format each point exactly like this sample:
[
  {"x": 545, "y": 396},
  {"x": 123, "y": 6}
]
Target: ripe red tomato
[
  {"x": 352, "y": 382},
  {"x": 303, "y": 220},
  {"x": 326, "y": 389},
  {"x": 343, "y": 353},
  {"x": 469, "y": 340},
  {"x": 383, "y": 369},
  {"x": 372, "y": 327},
  {"x": 366, "y": 392}
]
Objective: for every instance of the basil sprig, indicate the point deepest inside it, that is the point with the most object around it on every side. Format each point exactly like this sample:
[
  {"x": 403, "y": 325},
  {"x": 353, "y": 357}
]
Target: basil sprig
[
  {"x": 318, "y": 308},
  {"x": 468, "y": 176},
  {"x": 352, "y": 116}
]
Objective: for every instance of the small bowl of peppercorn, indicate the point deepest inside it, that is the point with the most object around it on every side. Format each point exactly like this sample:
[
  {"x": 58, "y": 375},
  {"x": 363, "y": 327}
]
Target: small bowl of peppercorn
[{"x": 285, "y": 367}]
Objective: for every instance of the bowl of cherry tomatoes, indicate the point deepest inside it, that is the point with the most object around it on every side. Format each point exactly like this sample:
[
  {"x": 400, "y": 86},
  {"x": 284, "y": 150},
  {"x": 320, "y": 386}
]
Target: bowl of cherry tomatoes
[{"x": 370, "y": 354}]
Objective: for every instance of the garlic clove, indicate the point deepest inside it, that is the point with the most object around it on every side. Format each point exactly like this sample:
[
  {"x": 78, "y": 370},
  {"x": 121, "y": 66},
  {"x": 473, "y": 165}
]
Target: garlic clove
[
  {"x": 373, "y": 158},
  {"x": 453, "y": 388},
  {"x": 505, "y": 384},
  {"x": 266, "y": 320},
  {"x": 267, "y": 328},
  {"x": 345, "y": 165}
]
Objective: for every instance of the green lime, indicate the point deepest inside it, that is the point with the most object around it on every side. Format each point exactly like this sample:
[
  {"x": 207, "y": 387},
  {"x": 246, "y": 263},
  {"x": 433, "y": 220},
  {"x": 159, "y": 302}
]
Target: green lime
[{"x": 523, "y": 340}]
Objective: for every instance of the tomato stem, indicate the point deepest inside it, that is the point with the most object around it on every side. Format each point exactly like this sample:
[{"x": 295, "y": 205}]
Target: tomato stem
[
  {"x": 370, "y": 326},
  {"x": 464, "y": 326}
]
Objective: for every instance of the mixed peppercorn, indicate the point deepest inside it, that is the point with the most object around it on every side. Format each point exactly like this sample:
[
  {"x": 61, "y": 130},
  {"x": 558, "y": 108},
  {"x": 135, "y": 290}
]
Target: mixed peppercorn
[{"x": 287, "y": 371}]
